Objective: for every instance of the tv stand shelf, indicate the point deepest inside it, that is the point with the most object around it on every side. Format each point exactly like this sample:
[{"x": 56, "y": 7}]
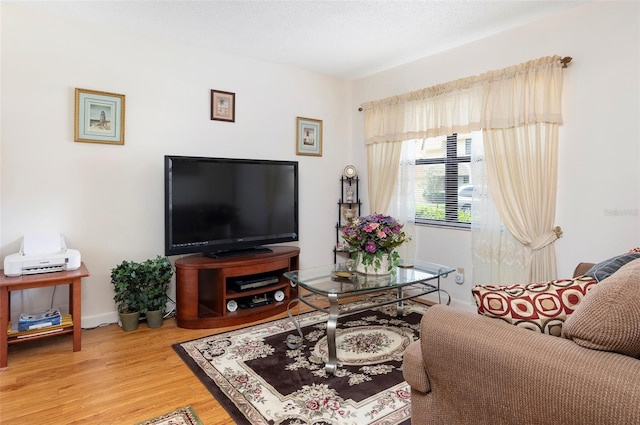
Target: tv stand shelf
[
  {"x": 231, "y": 294},
  {"x": 202, "y": 289}
]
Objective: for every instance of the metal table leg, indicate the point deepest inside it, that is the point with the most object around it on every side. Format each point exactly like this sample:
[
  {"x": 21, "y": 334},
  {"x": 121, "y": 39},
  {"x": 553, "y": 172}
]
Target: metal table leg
[
  {"x": 293, "y": 341},
  {"x": 332, "y": 362},
  {"x": 400, "y": 303}
]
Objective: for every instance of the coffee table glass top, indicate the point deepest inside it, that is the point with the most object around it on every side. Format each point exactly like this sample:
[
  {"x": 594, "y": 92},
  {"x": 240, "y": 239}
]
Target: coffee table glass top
[{"x": 336, "y": 279}]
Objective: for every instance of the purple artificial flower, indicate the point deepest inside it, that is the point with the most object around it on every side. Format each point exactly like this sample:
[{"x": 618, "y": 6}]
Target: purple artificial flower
[{"x": 374, "y": 233}]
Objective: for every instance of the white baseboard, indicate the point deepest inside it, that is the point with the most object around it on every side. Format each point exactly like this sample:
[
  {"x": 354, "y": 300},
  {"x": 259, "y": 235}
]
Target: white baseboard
[
  {"x": 89, "y": 322},
  {"x": 461, "y": 305}
]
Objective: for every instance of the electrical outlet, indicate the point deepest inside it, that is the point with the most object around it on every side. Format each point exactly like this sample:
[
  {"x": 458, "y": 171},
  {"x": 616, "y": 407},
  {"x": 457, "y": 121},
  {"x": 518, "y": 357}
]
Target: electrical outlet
[{"x": 460, "y": 276}]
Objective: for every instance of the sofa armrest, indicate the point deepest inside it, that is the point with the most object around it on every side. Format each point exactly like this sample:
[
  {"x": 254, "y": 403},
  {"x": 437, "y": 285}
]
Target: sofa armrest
[
  {"x": 413, "y": 369},
  {"x": 582, "y": 268},
  {"x": 483, "y": 368}
]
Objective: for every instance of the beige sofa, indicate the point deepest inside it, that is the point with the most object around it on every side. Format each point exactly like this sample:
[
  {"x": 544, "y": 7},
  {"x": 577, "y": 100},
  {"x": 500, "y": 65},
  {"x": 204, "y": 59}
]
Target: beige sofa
[{"x": 472, "y": 369}]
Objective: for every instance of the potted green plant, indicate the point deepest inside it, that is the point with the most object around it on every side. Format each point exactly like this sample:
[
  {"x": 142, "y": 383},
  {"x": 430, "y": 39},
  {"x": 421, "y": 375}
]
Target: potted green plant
[
  {"x": 156, "y": 275},
  {"x": 126, "y": 280}
]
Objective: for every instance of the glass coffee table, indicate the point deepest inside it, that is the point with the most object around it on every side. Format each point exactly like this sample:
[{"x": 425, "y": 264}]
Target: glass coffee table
[{"x": 338, "y": 291}]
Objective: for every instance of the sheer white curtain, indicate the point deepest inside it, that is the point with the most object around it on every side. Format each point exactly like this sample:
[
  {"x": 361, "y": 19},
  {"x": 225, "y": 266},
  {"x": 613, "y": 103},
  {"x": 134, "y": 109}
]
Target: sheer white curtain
[
  {"x": 383, "y": 161},
  {"x": 521, "y": 119},
  {"x": 434, "y": 111},
  {"x": 498, "y": 257},
  {"x": 516, "y": 107},
  {"x": 403, "y": 204},
  {"x": 522, "y": 172}
]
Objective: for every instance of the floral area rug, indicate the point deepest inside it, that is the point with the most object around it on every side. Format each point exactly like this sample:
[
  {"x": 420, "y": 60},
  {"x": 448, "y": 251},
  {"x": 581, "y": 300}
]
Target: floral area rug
[
  {"x": 259, "y": 380},
  {"x": 183, "y": 416}
]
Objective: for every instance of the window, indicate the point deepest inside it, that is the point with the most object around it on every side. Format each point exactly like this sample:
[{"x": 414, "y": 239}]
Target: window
[{"x": 443, "y": 187}]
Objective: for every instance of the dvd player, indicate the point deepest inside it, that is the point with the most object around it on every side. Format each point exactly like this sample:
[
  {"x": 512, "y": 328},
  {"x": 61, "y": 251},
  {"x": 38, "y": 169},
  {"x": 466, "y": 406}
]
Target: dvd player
[
  {"x": 256, "y": 301},
  {"x": 258, "y": 282}
]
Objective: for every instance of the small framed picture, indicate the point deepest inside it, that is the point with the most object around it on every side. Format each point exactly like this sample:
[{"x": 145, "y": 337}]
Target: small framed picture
[
  {"x": 309, "y": 137},
  {"x": 223, "y": 106},
  {"x": 99, "y": 117}
]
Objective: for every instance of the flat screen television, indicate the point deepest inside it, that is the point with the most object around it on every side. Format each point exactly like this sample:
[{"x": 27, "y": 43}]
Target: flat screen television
[{"x": 223, "y": 206}]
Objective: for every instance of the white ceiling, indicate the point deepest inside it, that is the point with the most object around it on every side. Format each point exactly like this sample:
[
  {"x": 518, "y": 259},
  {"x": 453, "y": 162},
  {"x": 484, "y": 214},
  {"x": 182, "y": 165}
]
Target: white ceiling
[{"x": 347, "y": 39}]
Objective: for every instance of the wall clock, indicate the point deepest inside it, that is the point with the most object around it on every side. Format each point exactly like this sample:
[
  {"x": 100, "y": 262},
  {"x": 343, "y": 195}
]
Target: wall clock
[{"x": 350, "y": 171}]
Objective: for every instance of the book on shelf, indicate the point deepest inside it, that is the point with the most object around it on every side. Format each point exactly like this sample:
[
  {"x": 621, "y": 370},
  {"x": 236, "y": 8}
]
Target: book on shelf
[
  {"x": 13, "y": 332},
  {"x": 41, "y": 319}
]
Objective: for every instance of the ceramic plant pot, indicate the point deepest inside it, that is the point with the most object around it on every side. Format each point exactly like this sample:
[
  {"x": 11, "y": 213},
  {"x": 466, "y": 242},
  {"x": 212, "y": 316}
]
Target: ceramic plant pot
[
  {"x": 373, "y": 269},
  {"x": 154, "y": 318},
  {"x": 129, "y": 321}
]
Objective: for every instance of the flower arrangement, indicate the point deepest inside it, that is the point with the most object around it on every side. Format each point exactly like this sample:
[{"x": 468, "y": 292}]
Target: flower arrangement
[{"x": 374, "y": 237}]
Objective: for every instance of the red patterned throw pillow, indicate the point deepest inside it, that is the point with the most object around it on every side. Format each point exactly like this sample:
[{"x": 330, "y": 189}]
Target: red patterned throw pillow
[{"x": 542, "y": 307}]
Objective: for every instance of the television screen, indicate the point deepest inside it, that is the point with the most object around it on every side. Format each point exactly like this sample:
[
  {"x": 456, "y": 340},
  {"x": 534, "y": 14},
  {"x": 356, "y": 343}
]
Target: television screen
[{"x": 222, "y": 206}]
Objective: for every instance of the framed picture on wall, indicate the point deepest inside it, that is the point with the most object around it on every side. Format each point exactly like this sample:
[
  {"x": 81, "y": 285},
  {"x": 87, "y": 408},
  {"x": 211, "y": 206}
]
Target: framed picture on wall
[
  {"x": 99, "y": 117},
  {"x": 223, "y": 106},
  {"x": 309, "y": 136}
]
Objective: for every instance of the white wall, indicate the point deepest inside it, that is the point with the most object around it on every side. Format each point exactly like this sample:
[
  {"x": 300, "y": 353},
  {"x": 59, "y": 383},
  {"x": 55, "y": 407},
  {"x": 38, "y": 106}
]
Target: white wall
[
  {"x": 599, "y": 180},
  {"x": 108, "y": 200}
]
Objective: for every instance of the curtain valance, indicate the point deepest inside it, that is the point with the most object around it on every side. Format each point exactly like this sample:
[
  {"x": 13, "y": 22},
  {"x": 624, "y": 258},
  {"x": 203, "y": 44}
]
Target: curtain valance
[{"x": 527, "y": 93}]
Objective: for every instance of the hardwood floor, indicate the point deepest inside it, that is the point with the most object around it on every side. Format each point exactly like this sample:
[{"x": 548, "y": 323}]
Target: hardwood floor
[{"x": 118, "y": 378}]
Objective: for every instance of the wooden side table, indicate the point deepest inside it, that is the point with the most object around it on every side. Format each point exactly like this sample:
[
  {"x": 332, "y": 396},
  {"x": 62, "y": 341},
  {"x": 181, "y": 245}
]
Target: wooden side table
[{"x": 72, "y": 278}]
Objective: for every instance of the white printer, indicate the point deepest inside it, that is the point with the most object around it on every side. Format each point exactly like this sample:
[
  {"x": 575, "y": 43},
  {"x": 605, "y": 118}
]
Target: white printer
[{"x": 41, "y": 253}]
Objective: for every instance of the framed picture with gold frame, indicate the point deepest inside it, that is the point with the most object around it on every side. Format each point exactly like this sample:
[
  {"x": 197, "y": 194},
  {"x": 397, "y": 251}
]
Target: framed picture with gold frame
[
  {"x": 99, "y": 117},
  {"x": 223, "y": 106},
  {"x": 309, "y": 136}
]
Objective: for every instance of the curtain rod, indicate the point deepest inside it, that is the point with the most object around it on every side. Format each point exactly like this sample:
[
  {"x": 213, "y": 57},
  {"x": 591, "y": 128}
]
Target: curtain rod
[{"x": 564, "y": 61}]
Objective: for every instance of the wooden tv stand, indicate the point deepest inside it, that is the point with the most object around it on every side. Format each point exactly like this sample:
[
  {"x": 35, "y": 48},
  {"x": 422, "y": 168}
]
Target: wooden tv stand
[{"x": 203, "y": 287}]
